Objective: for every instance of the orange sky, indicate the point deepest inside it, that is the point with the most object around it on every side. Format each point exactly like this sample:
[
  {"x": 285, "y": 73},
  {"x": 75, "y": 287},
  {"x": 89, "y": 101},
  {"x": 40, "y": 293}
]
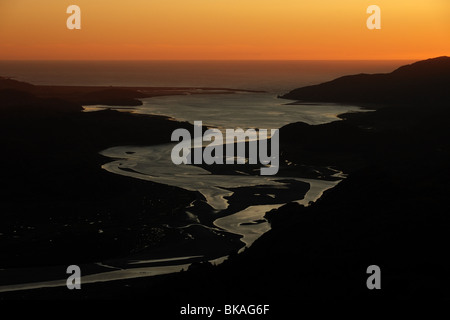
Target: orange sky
[{"x": 223, "y": 30}]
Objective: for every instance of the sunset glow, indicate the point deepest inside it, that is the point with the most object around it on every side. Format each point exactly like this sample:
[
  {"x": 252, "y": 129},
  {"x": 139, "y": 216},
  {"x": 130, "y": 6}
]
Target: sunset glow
[{"x": 223, "y": 30}]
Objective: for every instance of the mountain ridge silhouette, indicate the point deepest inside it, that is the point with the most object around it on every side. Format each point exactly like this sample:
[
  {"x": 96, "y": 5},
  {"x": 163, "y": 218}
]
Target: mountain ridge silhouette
[{"x": 419, "y": 82}]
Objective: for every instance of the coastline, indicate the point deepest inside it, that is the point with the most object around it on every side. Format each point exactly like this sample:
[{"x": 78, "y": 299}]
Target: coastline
[{"x": 109, "y": 95}]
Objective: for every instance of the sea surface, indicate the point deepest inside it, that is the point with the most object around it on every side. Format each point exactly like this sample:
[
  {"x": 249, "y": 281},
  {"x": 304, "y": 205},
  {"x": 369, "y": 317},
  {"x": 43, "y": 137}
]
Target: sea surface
[{"x": 272, "y": 76}]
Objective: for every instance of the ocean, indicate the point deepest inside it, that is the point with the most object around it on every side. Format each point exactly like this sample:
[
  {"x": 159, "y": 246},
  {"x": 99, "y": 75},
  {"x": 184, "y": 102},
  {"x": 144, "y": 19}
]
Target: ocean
[{"x": 271, "y": 76}]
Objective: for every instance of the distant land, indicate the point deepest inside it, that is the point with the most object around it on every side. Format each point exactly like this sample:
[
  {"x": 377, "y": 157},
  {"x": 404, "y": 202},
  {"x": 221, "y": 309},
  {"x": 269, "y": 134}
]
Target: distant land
[
  {"x": 420, "y": 82},
  {"x": 13, "y": 91}
]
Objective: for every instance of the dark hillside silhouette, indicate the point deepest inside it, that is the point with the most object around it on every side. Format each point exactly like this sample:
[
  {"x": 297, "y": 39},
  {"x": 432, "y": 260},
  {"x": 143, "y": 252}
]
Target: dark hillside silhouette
[{"x": 421, "y": 82}]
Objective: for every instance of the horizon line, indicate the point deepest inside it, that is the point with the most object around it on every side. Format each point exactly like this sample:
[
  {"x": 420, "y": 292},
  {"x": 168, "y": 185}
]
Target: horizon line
[{"x": 203, "y": 60}]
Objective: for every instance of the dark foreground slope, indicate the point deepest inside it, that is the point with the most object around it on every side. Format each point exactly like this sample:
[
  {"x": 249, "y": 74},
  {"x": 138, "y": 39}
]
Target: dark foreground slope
[{"x": 391, "y": 211}]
